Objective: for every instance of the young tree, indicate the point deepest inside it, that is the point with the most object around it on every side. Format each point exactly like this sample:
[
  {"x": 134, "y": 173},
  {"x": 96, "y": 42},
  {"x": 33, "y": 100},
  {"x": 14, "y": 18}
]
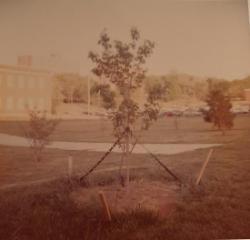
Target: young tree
[
  {"x": 39, "y": 130},
  {"x": 219, "y": 112},
  {"x": 123, "y": 65}
]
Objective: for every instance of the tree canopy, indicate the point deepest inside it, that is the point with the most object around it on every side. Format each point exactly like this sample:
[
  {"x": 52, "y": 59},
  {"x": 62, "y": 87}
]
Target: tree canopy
[{"x": 122, "y": 64}]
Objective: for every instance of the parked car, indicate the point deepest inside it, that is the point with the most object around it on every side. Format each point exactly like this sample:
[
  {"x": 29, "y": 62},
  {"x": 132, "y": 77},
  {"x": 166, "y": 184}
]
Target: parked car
[
  {"x": 168, "y": 114},
  {"x": 177, "y": 113},
  {"x": 240, "y": 110},
  {"x": 192, "y": 113}
]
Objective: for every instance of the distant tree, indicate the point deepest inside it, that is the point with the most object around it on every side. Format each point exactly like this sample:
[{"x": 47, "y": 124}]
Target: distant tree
[
  {"x": 216, "y": 84},
  {"x": 200, "y": 89},
  {"x": 219, "y": 112},
  {"x": 39, "y": 130},
  {"x": 157, "y": 87},
  {"x": 72, "y": 88},
  {"x": 108, "y": 96},
  {"x": 122, "y": 64},
  {"x": 237, "y": 87},
  {"x": 173, "y": 87},
  {"x": 57, "y": 97}
]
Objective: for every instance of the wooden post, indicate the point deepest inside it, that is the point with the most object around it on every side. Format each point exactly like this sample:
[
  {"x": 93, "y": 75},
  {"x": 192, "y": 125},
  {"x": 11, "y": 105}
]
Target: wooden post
[
  {"x": 176, "y": 122},
  {"x": 127, "y": 161},
  {"x": 121, "y": 165},
  {"x": 203, "y": 167},
  {"x": 70, "y": 167},
  {"x": 105, "y": 206}
]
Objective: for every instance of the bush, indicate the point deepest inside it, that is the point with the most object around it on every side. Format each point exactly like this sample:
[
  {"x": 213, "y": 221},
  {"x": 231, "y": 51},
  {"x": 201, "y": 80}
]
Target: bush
[
  {"x": 39, "y": 130},
  {"x": 219, "y": 112}
]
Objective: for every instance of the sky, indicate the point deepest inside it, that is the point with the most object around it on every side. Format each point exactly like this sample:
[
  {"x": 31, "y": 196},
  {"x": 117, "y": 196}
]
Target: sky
[{"x": 208, "y": 38}]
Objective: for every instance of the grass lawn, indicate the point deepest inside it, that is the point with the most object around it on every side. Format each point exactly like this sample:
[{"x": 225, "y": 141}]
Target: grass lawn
[
  {"x": 219, "y": 208},
  {"x": 191, "y": 130}
]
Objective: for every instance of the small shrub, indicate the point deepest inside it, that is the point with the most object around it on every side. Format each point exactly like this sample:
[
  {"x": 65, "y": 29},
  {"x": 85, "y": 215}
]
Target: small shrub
[
  {"x": 219, "y": 113},
  {"x": 40, "y": 128}
]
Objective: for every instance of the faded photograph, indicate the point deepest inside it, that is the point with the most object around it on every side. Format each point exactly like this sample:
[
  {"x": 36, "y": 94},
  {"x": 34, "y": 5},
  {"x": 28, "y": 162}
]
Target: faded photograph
[{"x": 124, "y": 119}]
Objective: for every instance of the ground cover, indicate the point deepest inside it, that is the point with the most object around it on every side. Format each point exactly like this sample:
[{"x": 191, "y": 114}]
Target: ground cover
[
  {"x": 191, "y": 130},
  {"x": 219, "y": 208}
]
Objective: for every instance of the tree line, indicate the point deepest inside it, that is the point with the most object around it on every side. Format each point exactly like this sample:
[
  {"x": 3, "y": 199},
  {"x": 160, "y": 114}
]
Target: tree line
[{"x": 73, "y": 88}]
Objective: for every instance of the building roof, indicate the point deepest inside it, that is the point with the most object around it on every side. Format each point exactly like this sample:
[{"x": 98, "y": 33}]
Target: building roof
[{"x": 22, "y": 68}]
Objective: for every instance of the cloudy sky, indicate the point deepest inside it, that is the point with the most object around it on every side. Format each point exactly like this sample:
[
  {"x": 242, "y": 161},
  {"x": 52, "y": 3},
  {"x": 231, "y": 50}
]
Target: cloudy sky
[{"x": 205, "y": 37}]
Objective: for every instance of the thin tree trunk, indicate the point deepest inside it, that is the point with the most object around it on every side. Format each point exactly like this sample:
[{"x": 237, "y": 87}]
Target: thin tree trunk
[
  {"x": 176, "y": 122},
  {"x": 127, "y": 159},
  {"x": 127, "y": 137},
  {"x": 223, "y": 131},
  {"x": 122, "y": 179}
]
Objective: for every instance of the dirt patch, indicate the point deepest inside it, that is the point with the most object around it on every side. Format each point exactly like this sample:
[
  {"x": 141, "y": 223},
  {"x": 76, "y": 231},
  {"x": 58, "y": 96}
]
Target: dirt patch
[{"x": 153, "y": 196}]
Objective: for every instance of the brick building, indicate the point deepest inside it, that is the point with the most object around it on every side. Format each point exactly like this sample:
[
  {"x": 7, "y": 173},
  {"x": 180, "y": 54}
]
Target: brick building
[{"x": 23, "y": 88}]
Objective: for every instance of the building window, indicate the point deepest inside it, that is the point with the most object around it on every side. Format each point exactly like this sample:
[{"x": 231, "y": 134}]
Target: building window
[
  {"x": 1, "y": 79},
  {"x": 10, "y": 81},
  {"x": 30, "y": 103},
  {"x": 41, "y": 104},
  {"x": 29, "y": 83},
  {"x": 15, "y": 80},
  {"x": 41, "y": 83},
  {"x": 21, "y": 81},
  {"x": 21, "y": 104},
  {"x": 9, "y": 103}
]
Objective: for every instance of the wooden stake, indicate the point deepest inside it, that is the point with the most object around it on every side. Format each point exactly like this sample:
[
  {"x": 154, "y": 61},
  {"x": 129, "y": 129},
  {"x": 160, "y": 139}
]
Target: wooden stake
[
  {"x": 70, "y": 167},
  {"x": 127, "y": 161},
  {"x": 204, "y": 166},
  {"x": 105, "y": 206}
]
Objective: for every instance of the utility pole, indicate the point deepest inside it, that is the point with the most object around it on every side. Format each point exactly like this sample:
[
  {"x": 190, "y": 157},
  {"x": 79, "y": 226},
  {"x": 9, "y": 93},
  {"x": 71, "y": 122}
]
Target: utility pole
[
  {"x": 248, "y": 3},
  {"x": 88, "y": 95},
  {"x": 99, "y": 94}
]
